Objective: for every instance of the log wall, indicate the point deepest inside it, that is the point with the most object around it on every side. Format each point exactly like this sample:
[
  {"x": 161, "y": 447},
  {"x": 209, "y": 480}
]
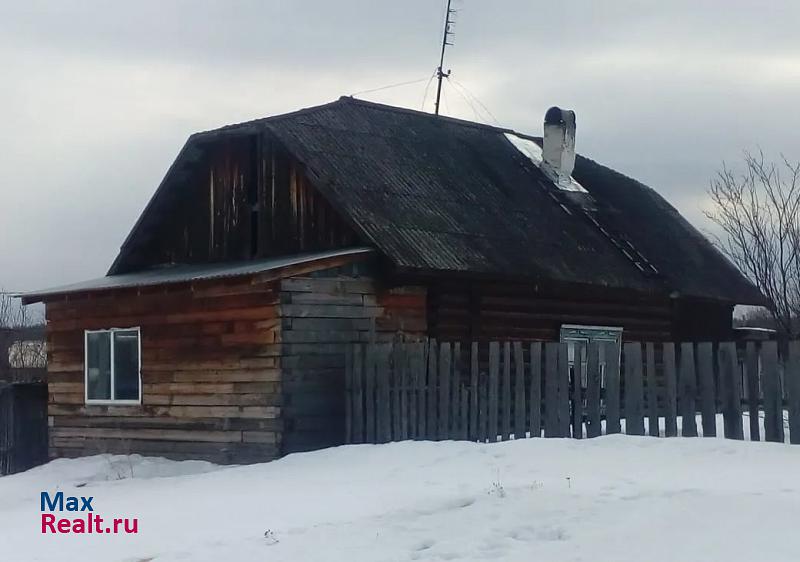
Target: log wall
[{"x": 210, "y": 373}]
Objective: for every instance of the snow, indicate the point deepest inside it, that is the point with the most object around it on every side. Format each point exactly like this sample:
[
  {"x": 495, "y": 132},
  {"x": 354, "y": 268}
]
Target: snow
[
  {"x": 615, "y": 498},
  {"x": 533, "y": 152}
]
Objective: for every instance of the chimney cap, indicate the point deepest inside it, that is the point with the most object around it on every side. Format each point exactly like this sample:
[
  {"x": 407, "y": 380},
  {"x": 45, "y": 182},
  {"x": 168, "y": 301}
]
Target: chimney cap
[{"x": 555, "y": 116}]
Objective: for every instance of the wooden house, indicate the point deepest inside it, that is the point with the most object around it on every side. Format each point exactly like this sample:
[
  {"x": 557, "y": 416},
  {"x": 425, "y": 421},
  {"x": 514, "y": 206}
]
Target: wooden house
[{"x": 219, "y": 331}]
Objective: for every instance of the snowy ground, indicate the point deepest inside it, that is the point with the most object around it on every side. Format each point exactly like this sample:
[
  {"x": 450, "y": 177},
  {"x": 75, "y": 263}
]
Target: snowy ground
[{"x": 613, "y": 499}]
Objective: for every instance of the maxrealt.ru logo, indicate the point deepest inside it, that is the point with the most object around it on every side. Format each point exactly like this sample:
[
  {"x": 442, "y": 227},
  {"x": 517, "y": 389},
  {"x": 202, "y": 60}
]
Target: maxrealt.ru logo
[{"x": 84, "y": 520}]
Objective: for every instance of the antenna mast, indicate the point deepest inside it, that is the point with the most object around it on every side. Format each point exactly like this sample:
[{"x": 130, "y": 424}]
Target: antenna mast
[{"x": 440, "y": 74}]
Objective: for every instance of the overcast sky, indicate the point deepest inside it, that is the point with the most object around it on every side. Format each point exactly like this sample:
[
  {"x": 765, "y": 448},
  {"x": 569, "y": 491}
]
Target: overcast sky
[{"x": 97, "y": 97}]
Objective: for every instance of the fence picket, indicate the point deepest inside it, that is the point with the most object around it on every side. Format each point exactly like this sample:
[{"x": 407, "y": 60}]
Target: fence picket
[
  {"x": 563, "y": 390},
  {"x": 688, "y": 391},
  {"x": 612, "y": 388},
  {"x": 444, "y": 390},
  {"x": 551, "y": 426},
  {"x": 753, "y": 390},
  {"x": 422, "y": 392},
  {"x": 506, "y": 392},
  {"x": 652, "y": 389},
  {"x": 536, "y": 390},
  {"x": 577, "y": 393},
  {"x": 705, "y": 376},
  {"x": 483, "y": 410},
  {"x": 455, "y": 408},
  {"x": 730, "y": 391},
  {"x": 464, "y": 433},
  {"x": 473, "y": 391},
  {"x": 670, "y": 390},
  {"x": 593, "y": 383},
  {"x": 433, "y": 353},
  {"x": 634, "y": 390},
  {"x": 384, "y": 405},
  {"x": 348, "y": 395},
  {"x": 494, "y": 373},
  {"x": 773, "y": 412},
  {"x": 519, "y": 392},
  {"x": 369, "y": 378},
  {"x": 792, "y": 378}
]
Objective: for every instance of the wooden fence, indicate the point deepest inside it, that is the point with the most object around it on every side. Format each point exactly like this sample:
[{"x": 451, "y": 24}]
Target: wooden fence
[
  {"x": 23, "y": 426},
  {"x": 498, "y": 391}
]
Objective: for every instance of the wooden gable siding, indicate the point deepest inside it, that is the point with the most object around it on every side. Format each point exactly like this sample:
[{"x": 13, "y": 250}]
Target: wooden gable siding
[
  {"x": 210, "y": 379},
  {"x": 321, "y": 316},
  {"x": 246, "y": 197}
]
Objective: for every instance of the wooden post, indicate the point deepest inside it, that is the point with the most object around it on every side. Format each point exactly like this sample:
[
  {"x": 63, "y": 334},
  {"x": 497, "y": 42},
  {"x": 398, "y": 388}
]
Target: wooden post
[
  {"x": 708, "y": 404},
  {"x": 634, "y": 395},
  {"x": 473, "y": 377},
  {"x": 731, "y": 392},
  {"x": 688, "y": 391},
  {"x": 577, "y": 393},
  {"x": 536, "y": 390},
  {"x": 753, "y": 390},
  {"x": 563, "y": 390},
  {"x": 773, "y": 412},
  {"x": 593, "y": 383},
  {"x": 670, "y": 391},
  {"x": 433, "y": 387},
  {"x": 506, "y": 391},
  {"x": 494, "y": 373},
  {"x": 792, "y": 380},
  {"x": 612, "y": 388},
  {"x": 652, "y": 390},
  {"x": 444, "y": 390},
  {"x": 551, "y": 427},
  {"x": 519, "y": 392}
]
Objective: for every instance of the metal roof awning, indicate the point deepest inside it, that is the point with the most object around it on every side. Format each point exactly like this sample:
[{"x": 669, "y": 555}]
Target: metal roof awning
[{"x": 188, "y": 273}]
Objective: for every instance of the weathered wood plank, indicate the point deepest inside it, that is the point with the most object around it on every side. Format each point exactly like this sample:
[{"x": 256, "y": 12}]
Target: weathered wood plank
[
  {"x": 612, "y": 388},
  {"x": 688, "y": 391},
  {"x": 593, "y": 423},
  {"x": 792, "y": 382},
  {"x": 519, "y": 392},
  {"x": 433, "y": 370},
  {"x": 577, "y": 393},
  {"x": 551, "y": 427},
  {"x": 370, "y": 364},
  {"x": 395, "y": 377},
  {"x": 730, "y": 391},
  {"x": 445, "y": 359},
  {"x": 464, "y": 426},
  {"x": 670, "y": 391},
  {"x": 348, "y": 395},
  {"x": 536, "y": 390},
  {"x": 413, "y": 374},
  {"x": 773, "y": 412},
  {"x": 494, "y": 368},
  {"x": 634, "y": 395},
  {"x": 473, "y": 391},
  {"x": 563, "y": 390},
  {"x": 506, "y": 392},
  {"x": 402, "y": 364},
  {"x": 705, "y": 376},
  {"x": 651, "y": 381},
  {"x": 455, "y": 408},
  {"x": 753, "y": 390},
  {"x": 383, "y": 408},
  {"x": 422, "y": 393}
]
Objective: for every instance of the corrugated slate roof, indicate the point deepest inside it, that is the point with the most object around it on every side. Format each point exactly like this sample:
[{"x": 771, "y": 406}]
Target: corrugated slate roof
[{"x": 436, "y": 194}]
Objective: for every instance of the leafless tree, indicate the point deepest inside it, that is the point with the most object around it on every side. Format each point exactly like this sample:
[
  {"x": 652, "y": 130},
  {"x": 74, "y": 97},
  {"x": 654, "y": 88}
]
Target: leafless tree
[
  {"x": 19, "y": 350},
  {"x": 758, "y": 212}
]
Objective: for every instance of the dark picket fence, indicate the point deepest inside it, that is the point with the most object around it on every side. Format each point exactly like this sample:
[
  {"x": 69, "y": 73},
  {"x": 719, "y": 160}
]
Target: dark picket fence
[
  {"x": 23, "y": 426},
  {"x": 497, "y": 391}
]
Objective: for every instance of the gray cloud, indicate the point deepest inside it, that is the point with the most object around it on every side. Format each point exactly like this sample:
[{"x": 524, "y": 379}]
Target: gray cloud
[{"x": 97, "y": 98}]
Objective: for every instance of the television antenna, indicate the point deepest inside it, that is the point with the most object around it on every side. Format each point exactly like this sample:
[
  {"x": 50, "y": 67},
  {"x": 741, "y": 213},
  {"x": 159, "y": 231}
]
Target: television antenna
[{"x": 447, "y": 36}]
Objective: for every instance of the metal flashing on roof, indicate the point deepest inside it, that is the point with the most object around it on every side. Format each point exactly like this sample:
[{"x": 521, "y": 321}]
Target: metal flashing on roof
[{"x": 188, "y": 273}]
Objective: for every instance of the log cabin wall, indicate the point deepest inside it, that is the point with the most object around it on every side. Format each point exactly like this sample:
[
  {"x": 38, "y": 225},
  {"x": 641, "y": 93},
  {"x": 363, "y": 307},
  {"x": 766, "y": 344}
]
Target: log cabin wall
[
  {"x": 245, "y": 197},
  {"x": 209, "y": 365},
  {"x": 320, "y": 316}
]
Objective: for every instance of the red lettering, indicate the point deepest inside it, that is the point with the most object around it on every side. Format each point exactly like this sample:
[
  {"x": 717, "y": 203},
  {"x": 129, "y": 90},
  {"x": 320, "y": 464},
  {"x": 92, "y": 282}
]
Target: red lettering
[
  {"x": 134, "y": 527},
  {"x": 47, "y": 521},
  {"x": 97, "y": 521},
  {"x": 117, "y": 523},
  {"x": 64, "y": 525},
  {"x": 79, "y": 526}
]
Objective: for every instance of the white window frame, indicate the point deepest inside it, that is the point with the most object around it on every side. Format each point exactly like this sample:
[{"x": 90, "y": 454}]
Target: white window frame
[{"x": 111, "y": 401}]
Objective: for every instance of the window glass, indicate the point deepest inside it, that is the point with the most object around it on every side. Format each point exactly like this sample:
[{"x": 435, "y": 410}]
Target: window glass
[
  {"x": 126, "y": 365},
  {"x": 98, "y": 365}
]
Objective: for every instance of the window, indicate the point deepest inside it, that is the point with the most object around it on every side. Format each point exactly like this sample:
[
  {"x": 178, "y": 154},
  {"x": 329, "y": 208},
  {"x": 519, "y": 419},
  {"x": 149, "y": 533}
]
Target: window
[
  {"x": 578, "y": 338},
  {"x": 113, "y": 366}
]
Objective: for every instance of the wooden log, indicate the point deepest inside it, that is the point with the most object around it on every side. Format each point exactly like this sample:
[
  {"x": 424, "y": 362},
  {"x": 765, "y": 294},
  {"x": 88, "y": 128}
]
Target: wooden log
[
  {"x": 730, "y": 391},
  {"x": 652, "y": 390},
  {"x": 519, "y": 392},
  {"x": 688, "y": 391},
  {"x": 445, "y": 359},
  {"x": 494, "y": 368},
  {"x": 563, "y": 390},
  {"x": 773, "y": 411},
  {"x": 670, "y": 391},
  {"x": 506, "y": 392},
  {"x": 536, "y": 390},
  {"x": 753, "y": 390},
  {"x": 551, "y": 427},
  {"x": 792, "y": 382},
  {"x": 612, "y": 388},
  {"x": 369, "y": 378},
  {"x": 473, "y": 391},
  {"x": 433, "y": 382},
  {"x": 577, "y": 393},
  {"x": 634, "y": 395},
  {"x": 348, "y": 396},
  {"x": 593, "y": 423},
  {"x": 705, "y": 376}
]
